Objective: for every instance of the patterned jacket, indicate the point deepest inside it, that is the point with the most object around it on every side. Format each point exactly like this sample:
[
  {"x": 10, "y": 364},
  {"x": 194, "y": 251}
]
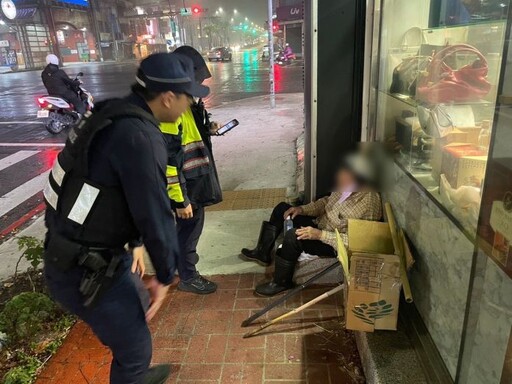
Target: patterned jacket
[{"x": 332, "y": 214}]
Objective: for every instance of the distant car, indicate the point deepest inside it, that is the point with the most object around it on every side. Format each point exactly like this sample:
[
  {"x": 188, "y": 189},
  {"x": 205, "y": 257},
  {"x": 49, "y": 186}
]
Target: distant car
[{"x": 220, "y": 54}]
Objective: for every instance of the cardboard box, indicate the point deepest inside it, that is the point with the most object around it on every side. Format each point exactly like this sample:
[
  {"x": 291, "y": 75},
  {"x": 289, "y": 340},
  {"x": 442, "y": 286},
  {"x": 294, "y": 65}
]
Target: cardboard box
[
  {"x": 456, "y": 136},
  {"x": 373, "y": 282},
  {"x": 463, "y": 164},
  {"x": 472, "y": 134}
]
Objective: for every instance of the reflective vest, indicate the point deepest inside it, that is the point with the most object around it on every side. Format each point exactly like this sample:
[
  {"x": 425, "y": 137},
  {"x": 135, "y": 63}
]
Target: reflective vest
[
  {"x": 191, "y": 174},
  {"x": 91, "y": 214}
]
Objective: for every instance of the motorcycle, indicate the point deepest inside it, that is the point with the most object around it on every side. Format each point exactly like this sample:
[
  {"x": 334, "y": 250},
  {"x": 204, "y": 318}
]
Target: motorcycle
[
  {"x": 59, "y": 113},
  {"x": 281, "y": 58}
]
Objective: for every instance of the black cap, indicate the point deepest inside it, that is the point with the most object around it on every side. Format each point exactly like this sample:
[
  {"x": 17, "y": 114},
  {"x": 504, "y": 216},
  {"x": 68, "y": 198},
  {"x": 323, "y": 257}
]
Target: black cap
[
  {"x": 162, "y": 72},
  {"x": 201, "y": 70}
]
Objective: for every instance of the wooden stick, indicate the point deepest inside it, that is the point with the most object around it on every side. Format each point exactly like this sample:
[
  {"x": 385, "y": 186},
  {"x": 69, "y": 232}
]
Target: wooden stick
[
  {"x": 291, "y": 293},
  {"x": 399, "y": 250},
  {"x": 294, "y": 311}
]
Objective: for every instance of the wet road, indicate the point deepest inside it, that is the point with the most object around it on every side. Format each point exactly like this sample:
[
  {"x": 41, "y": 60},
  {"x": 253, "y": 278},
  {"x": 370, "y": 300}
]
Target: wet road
[
  {"x": 27, "y": 150},
  {"x": 245, "y": 77}
]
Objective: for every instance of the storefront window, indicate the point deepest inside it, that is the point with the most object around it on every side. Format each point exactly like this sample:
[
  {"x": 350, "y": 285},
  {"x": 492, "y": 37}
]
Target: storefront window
[{"x": 440, "y": 65}]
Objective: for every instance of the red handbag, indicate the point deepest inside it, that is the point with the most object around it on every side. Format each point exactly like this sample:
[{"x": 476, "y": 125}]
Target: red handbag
[{"x": 443, "y": 84}]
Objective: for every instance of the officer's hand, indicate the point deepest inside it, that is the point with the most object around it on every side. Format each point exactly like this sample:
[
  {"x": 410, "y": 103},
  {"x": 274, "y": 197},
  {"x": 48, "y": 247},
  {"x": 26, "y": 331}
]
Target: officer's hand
[
  {"x": 293, "y": 212},
  {"x": 157, "y": 293},
  {"x": 214, "y": 127},
  {"x": 185, "y": 213},
  {"x": 138, "y": 265}
]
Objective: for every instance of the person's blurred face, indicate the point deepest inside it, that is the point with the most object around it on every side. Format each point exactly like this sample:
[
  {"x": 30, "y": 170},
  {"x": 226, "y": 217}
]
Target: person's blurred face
[
  {"x": 345, "y": 180},
  {"x": 170, "y": 106}
]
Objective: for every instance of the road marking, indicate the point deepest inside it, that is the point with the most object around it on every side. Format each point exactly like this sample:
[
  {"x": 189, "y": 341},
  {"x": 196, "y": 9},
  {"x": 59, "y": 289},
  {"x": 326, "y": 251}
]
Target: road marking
[
  {"x": 25, "y": 191},
  {"x": 20, "y": 122},
  {"x": 32, "y": 144},
  {"x": 6, "y": 162}
]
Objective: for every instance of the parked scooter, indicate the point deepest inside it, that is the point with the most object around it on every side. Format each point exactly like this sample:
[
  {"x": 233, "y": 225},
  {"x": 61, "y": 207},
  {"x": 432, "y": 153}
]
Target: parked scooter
[{"x": 59, "y": 113}]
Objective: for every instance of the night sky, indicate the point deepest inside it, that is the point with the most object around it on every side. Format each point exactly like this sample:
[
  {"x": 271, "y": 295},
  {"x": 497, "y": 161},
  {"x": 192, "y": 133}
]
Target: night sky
[{"x": 255, "y": 10}]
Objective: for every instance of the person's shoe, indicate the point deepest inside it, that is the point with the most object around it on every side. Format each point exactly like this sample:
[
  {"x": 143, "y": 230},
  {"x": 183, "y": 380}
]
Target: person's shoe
[
  {"x": 157, "y": 374},
  {"x": 262, "y": 254},
  {"x": 282, "y": 281},
  {"x": 198, "y": 285}
]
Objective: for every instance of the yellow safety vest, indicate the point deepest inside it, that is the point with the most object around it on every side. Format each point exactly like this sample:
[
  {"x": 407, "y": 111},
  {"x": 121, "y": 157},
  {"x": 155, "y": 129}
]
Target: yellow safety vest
[{"x": 195, "y": 155}]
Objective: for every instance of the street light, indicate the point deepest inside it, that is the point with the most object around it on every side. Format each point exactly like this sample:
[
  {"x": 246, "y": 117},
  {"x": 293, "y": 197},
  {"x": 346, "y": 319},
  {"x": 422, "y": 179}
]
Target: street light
[
  {"x": 235, "y": 11},
  {"x": 221, "y": 10},
  {"x": 246, "y": 19}
]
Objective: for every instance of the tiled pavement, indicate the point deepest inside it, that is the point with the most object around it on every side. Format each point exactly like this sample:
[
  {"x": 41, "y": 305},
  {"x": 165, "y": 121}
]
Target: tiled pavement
[{"x": 202, "y": 338}]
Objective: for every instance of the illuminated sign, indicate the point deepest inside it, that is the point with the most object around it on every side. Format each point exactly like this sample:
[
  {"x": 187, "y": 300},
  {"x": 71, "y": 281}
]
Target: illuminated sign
[
  {"x": 9, "y": 9},
  {"x": 83, "y": 3}
]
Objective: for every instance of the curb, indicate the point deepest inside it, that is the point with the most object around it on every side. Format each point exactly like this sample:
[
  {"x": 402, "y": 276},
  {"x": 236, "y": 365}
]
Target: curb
[{"x": 4, "y": 234}]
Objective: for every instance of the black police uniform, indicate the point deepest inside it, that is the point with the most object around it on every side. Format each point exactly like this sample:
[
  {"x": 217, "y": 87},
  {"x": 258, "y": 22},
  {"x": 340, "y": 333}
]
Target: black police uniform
[
  {"x": 126, "y": 163},
  {"x": 108, "y": 188}
]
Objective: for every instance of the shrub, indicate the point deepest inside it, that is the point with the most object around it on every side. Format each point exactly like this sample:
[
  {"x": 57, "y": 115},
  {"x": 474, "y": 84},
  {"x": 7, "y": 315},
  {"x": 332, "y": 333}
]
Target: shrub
[
  {"x": 19, "y": 375},
  {"x": 25, "y": 315}
]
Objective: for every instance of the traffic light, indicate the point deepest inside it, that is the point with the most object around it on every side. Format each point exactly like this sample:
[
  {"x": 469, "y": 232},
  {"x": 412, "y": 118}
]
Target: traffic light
[
  {"x": 196, "y": 10},
  {"x": 275, "y": 26}
]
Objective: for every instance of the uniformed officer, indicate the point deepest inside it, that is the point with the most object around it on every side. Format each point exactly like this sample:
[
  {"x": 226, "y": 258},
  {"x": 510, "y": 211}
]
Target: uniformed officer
[
  {"x": 106, "y": 189},
  {"x": 192, "y": 178}
]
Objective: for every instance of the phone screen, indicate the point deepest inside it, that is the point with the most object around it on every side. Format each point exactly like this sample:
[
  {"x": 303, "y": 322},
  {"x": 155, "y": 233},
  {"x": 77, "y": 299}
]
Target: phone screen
[{"x": 227, "y": 127}]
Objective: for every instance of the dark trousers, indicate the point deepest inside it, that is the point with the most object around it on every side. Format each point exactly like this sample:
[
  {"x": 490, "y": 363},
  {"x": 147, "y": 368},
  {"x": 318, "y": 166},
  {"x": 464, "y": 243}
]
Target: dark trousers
[
  {"x": 118, "y": 318},
  {"x": 292, "y": 248},
  {"x": 73, "y": 98},
  {"x": 189, "y": 232}
]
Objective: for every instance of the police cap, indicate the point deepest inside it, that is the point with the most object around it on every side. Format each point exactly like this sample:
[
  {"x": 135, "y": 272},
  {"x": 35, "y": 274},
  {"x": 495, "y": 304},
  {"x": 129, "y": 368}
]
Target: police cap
[{"x": 162, "y": 72}]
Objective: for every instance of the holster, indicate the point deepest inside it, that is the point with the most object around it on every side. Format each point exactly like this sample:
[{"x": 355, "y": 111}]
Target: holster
[{"x": 100, "y": 268}]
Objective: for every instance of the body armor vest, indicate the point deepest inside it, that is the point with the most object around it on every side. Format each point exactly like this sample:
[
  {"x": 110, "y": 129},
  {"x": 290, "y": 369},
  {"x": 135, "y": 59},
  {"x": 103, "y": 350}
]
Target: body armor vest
[{"x": 80, "y": 209}]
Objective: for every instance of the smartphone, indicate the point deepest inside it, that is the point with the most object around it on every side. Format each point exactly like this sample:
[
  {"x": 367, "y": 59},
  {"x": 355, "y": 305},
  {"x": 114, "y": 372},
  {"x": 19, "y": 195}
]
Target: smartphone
[{"x": 227, "y": 127}]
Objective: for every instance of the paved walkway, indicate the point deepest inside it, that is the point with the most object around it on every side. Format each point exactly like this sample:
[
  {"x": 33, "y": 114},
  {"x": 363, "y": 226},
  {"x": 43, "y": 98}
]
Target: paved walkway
[{"x": 201, "y": 337}]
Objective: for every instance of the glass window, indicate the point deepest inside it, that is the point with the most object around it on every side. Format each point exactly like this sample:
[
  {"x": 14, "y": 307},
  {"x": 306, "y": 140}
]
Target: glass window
[{"x": 440, "y": 64}]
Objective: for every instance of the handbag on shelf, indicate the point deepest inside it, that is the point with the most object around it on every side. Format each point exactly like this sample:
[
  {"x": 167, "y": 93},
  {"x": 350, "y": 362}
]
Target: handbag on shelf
[
  {"x": 404, "y": 61},
  {"x": 443, "y": 84},
  {"x": 405, "y": 75},
  {"x": 435, "y": 121}
]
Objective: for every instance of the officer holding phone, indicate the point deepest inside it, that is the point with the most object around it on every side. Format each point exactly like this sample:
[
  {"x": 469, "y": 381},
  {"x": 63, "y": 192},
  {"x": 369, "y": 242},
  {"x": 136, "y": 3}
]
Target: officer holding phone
[{"x": 192, "y": 177}]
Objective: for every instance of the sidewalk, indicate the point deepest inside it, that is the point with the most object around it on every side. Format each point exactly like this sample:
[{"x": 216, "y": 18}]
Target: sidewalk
[{"x": 201, "y": 336}]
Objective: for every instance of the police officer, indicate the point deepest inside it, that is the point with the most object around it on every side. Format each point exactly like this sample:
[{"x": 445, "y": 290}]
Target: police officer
[
  {"x": 106, "y": 189},
  {"x": 193, "y": 183}
]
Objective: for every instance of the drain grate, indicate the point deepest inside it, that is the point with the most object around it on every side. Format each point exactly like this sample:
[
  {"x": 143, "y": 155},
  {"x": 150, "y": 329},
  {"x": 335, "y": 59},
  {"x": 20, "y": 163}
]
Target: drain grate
[{"x": 250, "y": 199}]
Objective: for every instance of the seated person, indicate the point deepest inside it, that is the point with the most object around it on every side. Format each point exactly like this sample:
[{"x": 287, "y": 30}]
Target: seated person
[
  {"x": 58, "y": 83},
  {"x": 315, "y": 223}
]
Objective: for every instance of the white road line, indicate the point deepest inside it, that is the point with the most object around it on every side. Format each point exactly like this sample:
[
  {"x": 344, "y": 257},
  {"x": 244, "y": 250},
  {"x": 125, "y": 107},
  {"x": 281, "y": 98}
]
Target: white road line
[
  {"x": 17, "y": 196},
  {"x": 20, "y": 122},
  {"x": 6, "y": 162},
  {"x": 32, "y": 144}
]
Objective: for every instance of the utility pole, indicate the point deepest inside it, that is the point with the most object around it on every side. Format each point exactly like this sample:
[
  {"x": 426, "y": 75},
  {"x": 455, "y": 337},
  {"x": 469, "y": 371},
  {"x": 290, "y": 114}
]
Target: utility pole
[
  {"x": 271, "y": 53},
  {"x": 93, "y": 5}
]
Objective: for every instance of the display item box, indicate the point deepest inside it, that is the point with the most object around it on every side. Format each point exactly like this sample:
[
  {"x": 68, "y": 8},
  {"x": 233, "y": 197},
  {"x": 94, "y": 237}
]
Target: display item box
[
  {"x": 373, "y": 284},
  {"x": 456, "y": 136},
  {"x": 463, "y": 164}
]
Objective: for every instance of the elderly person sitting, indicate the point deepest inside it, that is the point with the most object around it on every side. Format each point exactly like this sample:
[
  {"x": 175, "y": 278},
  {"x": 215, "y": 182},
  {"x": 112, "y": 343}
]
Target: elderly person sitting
[{"x": 315, "y": 223}]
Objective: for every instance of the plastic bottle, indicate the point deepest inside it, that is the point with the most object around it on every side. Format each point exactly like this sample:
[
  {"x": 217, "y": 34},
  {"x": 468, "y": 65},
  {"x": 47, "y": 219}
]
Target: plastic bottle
[{"x": 288, "y": 224}]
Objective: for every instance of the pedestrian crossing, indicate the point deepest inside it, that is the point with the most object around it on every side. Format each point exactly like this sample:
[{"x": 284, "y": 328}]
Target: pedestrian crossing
[{"x": 23, "y": 176}]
